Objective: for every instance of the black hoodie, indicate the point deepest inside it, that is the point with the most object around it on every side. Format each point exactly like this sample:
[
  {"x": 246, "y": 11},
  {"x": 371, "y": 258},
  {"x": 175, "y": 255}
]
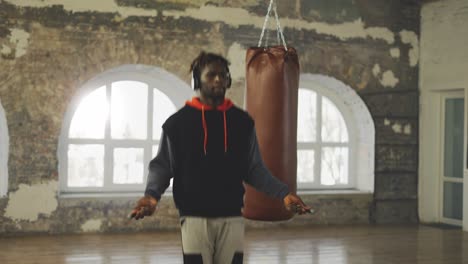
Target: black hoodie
[{"x": 210, "y": 153}]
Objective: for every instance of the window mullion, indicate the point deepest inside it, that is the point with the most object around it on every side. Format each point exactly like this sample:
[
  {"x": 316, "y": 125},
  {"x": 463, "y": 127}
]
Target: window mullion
[
  {"x": 318, "y": 149},
  {"x": 305, "y": 145},
  {"x": 108, "y": 148},
  {"x": 149, "y": 137},
  {"x": 335, "y": 144},
  {"x": 165, "y": 82}
]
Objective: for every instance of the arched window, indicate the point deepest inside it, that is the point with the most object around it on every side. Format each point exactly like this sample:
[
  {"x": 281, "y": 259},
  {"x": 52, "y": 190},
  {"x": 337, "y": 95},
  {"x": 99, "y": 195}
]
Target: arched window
[
  {"x": 113, "y": 127},
  {"x": 3, "y": 153},
  {"x": 335, "y": 137}
]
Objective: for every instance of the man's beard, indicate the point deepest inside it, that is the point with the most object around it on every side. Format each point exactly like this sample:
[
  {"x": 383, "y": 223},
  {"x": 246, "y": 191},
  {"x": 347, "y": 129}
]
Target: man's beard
[{"x": 214, "y": 95}]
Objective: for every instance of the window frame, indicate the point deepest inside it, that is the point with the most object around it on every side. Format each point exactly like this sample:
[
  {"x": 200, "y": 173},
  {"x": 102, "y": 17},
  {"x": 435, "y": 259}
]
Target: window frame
[
  {"x": 156, "y": 78},
  {"x": 4, "y": 145},
  {"x": 318, "y": 145},
  {"x": 354, "y": 111}
]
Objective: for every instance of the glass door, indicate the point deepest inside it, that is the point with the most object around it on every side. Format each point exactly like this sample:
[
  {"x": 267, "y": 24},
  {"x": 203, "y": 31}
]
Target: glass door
[{"x": 451, "y": 187}]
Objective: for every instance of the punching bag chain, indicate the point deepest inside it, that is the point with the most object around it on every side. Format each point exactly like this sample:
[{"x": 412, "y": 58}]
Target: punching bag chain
[{"x": 279, "y": 32}]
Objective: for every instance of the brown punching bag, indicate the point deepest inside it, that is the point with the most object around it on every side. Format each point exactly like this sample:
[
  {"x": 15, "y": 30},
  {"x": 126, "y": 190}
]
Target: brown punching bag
[{"x": 272, "y": 81}]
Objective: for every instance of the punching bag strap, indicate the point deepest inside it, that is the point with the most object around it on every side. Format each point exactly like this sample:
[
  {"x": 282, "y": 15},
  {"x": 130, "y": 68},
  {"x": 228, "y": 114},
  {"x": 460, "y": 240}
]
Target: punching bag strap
[{"x": 279, "y": 31}]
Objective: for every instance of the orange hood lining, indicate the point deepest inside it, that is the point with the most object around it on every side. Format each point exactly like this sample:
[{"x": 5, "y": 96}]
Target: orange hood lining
[
  {"x": 196, "y": 103},
  {"x": 226, "y": 105}
]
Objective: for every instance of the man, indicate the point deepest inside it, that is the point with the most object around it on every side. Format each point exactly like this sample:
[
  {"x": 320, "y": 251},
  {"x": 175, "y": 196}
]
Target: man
[{"x": 209, "y": 148}]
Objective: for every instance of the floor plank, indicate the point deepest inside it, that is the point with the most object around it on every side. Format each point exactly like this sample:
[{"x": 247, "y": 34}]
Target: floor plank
[{"x": 332, "y": 244}]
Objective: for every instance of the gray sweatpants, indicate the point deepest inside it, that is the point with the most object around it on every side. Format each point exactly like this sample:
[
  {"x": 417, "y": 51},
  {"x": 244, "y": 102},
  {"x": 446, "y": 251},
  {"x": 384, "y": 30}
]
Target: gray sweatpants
[{"x": 212, "y": 240}]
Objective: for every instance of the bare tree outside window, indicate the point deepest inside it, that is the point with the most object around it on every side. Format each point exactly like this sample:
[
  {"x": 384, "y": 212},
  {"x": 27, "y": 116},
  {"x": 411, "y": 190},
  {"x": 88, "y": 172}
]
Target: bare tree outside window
[
  {"x": 128, "y": 102},
  {"x": 323, "y": 142}
]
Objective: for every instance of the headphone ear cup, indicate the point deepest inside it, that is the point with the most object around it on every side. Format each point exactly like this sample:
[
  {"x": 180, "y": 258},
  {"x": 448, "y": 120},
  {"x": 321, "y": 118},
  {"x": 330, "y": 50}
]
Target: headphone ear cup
[
  {"x": 192, "y": 83},
  {"x": 195, "y": 81},
  {"x": 229, "y": 80}
]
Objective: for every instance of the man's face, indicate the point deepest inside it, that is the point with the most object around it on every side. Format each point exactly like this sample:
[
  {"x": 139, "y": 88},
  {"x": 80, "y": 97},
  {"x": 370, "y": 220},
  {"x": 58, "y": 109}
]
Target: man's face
[{"x": 214, "y": 80}]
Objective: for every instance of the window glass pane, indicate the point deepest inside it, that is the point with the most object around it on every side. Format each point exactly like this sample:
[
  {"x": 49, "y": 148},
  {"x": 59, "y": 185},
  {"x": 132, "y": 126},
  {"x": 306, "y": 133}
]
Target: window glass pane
[
  {"x": 129, "y": 102},
  {"x": 85, "y": 165},
  {"x": 333, "y": 125},
  {"x": 305, "y": 166},
  {"x": 453, "y": 143},
  {"x": 89, "y": 119},
  {"x": 162, "y": 109},
  {"x": 334, "y": 166},
  {"x": 306, "y": 116},
  {"x": 128, "y": 165},
  {"x": 453, "y": 200}
]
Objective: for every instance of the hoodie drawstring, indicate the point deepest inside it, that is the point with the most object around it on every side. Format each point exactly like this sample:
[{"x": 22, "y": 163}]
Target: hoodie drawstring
[
  {"x": 226, "y": 105},
  {"x": 205, "y": 130}
]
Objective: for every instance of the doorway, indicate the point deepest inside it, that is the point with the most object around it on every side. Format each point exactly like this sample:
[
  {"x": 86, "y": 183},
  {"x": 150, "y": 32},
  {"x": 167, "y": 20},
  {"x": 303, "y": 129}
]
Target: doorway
[{"x": 451, "y": 161}]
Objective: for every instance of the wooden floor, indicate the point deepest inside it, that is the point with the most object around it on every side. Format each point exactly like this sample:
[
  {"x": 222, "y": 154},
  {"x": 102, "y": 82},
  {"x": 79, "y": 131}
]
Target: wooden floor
[{"x": 337, "y": 244}]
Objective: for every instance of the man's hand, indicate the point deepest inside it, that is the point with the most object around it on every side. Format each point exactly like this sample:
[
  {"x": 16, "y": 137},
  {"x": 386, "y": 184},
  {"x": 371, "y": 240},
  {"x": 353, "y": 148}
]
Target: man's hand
[
  {"x": 295, "y": 204},
  {"x": 145, "y": 207}
]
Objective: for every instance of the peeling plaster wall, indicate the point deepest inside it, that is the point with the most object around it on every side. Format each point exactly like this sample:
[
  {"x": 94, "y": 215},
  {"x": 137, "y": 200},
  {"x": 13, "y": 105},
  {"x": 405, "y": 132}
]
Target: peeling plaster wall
[
  {"x": 92, "y": 225},
  {"x": 49, "y": 48},
  {"x": 443, "y": 68},
  {"x": 28, "y": 202},
  {"x": 109, "y": 6},
  {"x": 17, "y": 45},
  {"x": 444, "y": 59}
]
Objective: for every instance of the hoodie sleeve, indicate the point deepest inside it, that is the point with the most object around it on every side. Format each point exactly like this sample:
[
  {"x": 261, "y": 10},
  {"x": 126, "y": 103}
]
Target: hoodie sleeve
[
  {"x": 259, "y": 176},
  {"x": 160, "y": 169}
]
